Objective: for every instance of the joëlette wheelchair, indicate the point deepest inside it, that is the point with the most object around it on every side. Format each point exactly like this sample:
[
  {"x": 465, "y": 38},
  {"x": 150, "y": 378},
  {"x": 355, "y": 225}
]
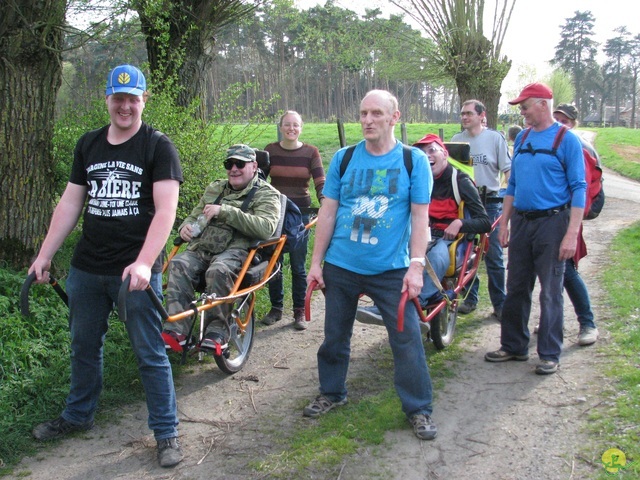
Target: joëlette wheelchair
[
  {"x": 466, "y": 252},
  {"x": 261, "y": 264}
]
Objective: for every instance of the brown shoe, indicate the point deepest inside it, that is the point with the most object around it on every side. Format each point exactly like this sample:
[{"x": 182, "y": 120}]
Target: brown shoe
[{"x": 299, "y": 323}]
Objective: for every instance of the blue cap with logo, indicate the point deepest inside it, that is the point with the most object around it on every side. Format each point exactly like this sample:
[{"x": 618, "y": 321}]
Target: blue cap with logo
[{"x": 126, "y": 79}]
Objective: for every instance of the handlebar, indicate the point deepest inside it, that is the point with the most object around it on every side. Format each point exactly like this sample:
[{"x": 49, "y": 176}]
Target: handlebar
[
  {"x": 307, "y": 300},
  {"x": 24, "y": 292},
  {"x": 123, "y": 295},
  {"x": 401, "y": 306}
]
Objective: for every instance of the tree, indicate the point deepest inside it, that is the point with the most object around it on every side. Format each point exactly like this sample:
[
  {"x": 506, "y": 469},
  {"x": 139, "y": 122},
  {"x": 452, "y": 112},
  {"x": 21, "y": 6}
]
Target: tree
[
  {"x": 464, "y": 52},
  {"x": 634, "y": 66},
  {"x": 576, "y": 51},
  {"x": 617, "y": 50},
  {"x": 180, "y": 37},
  {"x": 31, "y": 36}
]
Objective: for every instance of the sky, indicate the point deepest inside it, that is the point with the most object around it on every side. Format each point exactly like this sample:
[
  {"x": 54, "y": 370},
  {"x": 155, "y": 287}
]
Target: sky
[{"x": 534, "y": 29}]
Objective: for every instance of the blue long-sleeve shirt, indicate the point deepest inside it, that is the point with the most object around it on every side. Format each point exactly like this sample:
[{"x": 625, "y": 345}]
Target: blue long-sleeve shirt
[{"x": 542, "y": 181}]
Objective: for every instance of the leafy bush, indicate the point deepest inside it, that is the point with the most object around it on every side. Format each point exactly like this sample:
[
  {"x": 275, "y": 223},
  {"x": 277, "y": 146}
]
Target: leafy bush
[{"x": 34, "y": 364}]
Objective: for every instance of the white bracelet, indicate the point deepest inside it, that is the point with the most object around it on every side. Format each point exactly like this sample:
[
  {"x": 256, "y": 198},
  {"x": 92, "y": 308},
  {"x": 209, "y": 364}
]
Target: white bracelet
[{"x": 420, "y": 260}]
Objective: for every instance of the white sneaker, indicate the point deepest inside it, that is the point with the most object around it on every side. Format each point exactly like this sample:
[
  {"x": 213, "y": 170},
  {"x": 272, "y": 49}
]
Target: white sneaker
[{"x": 587, "y": 336}]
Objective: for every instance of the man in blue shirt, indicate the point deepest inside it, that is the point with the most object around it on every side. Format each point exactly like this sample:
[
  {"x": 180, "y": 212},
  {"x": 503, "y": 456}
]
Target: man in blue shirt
[
  {"x": 544, "y": 206},
  {"x": 371, "y": 218}
]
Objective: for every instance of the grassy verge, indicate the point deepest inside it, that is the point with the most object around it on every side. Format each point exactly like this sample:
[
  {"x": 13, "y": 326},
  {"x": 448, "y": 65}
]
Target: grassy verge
[
  {"x": 619, "y": 149},
  {"x": 616, "y": 421}
]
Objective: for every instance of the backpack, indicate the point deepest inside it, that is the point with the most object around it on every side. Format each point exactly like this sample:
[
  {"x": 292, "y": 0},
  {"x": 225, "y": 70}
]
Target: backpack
[
  {"x": 595, "y": 191},
  {"x": 293, "y": 227},
  {"x": 593, "y": 171}
]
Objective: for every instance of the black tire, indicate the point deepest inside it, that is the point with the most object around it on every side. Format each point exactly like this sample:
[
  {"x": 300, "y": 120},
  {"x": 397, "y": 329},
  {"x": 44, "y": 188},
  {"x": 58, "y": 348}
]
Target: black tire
[
  {"x": 236, "y": 354},
  {"x": 443, "y": 326}
]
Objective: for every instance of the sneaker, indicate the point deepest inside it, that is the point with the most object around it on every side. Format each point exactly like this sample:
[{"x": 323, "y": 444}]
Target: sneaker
[
  {"x": 503, "y": 356},
  {"x": 465, "y": 308},
  {"x": 423, "y": 426},
  {"x": 587, "y": 336},
  {"x": 173, "y": 341},
  {"x": 547, "y": 367},
  {"x": 299, "y": 323},
  {"x": 274, "y": 315},
  {"x": 58, "y": 428},
  {"x": 169, "y": 452},
  {"x": 320, "y": 406},
  {"x": 370, "y": 315}
]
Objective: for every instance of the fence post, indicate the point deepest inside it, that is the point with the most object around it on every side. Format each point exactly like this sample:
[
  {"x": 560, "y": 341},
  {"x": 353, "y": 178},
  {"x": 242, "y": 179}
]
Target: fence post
[
  {"x": 278, "y": 132},
  {"x": 343, "y": 141},
  {"x": 403, "y": 132},
  {"x": 441, "y": 133}
]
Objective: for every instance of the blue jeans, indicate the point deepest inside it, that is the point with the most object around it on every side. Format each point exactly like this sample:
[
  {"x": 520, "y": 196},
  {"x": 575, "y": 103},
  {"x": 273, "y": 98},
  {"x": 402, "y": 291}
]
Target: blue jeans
[
  {"x": 494, "y": 263},
  {"x": 91, "y": 299},
  {"x": 297, "y": 262},
  {"x": 534, "y": 246},
  {"x": 411, "y": 373},
  {"x": 578, "y": 294},
  {"x": 439, "y": 259}
]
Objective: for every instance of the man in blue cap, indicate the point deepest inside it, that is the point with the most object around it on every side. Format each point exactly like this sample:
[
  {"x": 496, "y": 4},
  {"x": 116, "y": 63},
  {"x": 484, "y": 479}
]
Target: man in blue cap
[{"x": 128, "y": 175}]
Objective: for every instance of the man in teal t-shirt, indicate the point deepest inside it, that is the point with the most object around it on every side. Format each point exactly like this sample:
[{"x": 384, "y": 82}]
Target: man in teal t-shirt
[{"x": 371, "y": 218}]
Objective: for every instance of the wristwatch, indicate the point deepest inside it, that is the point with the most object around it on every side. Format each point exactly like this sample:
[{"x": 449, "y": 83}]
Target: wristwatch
[{"x": 421, "y": 260}]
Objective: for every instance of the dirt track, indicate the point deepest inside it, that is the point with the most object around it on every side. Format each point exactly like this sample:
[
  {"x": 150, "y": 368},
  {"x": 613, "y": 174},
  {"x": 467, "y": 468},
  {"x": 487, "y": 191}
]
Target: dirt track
[{"x": 498, "y": 421}]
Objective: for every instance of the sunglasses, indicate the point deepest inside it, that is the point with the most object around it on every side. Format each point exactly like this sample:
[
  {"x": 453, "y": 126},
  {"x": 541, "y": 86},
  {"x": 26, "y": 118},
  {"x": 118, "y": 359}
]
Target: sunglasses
[{"x": 230, "y": 162}]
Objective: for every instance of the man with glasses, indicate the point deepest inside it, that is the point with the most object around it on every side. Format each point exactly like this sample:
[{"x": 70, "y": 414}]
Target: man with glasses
[
  {"x": 490, "y": 154},
  {"x": 544, "y": 205},
  {"x": 232, "y": 214}
]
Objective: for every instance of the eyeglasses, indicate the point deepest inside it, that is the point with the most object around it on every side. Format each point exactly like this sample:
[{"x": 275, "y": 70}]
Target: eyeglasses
[
  {"x": 524, "y": 107},
  {"x": 230, "y": 162},
  {"x": 432, "y": 149}
]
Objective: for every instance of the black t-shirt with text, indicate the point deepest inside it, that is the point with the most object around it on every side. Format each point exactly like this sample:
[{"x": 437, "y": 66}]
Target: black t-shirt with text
[{"x": 120, "y": 207}]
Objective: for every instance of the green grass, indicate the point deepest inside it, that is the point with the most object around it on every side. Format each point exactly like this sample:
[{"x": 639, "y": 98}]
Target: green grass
[
  {"x": 325, "y": 135},
  {"x": 619, "y": 150},
  {"x": 616, "y": 422}
]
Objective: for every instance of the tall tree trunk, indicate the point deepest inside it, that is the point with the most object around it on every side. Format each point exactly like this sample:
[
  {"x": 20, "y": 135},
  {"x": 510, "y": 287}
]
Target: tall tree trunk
[{"x": 30, "y": 76}]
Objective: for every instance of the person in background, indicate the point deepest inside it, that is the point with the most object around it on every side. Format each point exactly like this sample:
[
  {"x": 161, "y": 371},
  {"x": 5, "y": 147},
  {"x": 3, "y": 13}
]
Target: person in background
[
  {"x": 293, "y": 165},
  {"x": 512, "y": 133},
  {"x": 544, "y": 205},
  {"x": 491, "y": 159},
  {"x": 371, "y": 218},
  {"x": 220, "y": 249},
  {"x": 573, "y": 282},
  {"x": 131, "y": 196}
]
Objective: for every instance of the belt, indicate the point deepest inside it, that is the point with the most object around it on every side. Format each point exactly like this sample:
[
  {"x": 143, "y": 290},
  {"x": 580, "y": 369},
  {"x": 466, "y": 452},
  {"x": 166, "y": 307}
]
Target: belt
[
  {"x": 533, "y": 214},
  {"x": 493, "y": 199}
]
